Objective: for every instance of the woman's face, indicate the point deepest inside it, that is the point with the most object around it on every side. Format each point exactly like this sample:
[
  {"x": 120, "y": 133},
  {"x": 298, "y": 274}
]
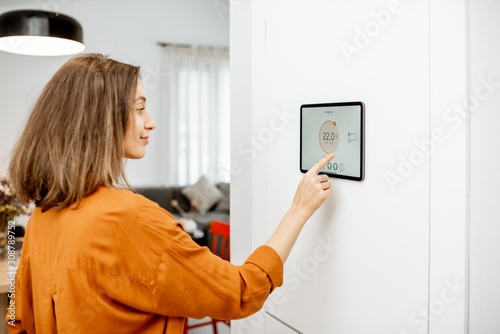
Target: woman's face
[{"x": 137, "y": 132}]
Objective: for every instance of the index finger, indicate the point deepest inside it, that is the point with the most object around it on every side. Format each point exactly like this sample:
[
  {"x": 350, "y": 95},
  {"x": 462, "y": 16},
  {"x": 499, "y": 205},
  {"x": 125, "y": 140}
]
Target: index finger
[{"x": 320, "y": 164}]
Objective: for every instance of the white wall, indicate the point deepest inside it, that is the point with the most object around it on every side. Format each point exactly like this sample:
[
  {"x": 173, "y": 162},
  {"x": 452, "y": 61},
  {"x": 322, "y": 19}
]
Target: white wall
[
  {"x": 446, "y": 303},
  {"x": 128, "y": 31},
  {"x": 484, "y": 308},
  {"x": 378, "y": 257},
  {"x": 360, "y": 273}
]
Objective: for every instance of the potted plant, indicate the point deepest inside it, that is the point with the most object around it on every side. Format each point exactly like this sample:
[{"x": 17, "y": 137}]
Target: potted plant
[{"x": 10, "y": 208}]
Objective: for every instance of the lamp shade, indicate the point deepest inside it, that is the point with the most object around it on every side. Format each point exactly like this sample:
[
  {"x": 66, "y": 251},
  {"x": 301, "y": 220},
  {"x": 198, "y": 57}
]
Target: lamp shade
[{"x": 40, "y": 33}]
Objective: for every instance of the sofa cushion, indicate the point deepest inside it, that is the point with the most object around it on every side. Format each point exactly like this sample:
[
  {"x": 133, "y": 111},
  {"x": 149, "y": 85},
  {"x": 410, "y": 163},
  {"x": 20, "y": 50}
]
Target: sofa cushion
[
  {"x": 223, "y": 205},
  {"x": 204, "y": 192},
  {"x": 164, "y": 196}
]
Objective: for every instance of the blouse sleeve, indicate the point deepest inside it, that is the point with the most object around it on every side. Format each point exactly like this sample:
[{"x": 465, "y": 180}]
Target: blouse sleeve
[{"x": 193, "y": 282}]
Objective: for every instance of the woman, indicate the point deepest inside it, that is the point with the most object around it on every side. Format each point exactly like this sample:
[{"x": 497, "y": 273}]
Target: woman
[{"x": 99, "y": 259}]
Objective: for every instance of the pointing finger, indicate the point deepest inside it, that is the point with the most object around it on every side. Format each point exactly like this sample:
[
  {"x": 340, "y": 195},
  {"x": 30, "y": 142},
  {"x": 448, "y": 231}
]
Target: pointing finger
[{"x": 320, "y": 164}]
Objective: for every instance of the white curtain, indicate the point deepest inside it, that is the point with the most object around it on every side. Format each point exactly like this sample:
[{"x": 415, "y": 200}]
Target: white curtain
[{"x": 196, "y": 103}]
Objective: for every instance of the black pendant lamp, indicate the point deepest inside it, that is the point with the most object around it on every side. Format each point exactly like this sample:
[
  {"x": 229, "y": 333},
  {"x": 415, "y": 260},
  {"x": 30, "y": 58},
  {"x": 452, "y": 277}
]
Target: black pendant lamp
[{"x": 40, "y": 33}]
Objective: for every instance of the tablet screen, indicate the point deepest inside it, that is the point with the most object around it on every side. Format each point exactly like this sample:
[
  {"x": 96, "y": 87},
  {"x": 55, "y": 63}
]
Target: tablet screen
[{"x": 333, "y": 128}]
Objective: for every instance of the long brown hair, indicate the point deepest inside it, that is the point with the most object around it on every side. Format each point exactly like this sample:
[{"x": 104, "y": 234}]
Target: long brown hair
[{"x": 73, "y": 141}]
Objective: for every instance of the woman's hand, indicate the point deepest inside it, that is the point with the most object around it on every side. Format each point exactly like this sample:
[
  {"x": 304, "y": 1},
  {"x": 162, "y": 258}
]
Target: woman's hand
[{"x": 313, "y": 190}]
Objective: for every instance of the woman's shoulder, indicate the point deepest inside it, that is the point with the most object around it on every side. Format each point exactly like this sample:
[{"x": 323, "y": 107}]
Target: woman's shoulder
[
  {"x": 125, "y": 201},
  {"x": 136, "y": 214},
  {"x": 120, "y": 196}
]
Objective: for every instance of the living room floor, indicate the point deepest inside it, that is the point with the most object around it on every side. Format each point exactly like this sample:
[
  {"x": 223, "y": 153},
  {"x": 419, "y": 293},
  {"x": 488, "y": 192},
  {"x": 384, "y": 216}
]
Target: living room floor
[{"x": 221, "y": 327}]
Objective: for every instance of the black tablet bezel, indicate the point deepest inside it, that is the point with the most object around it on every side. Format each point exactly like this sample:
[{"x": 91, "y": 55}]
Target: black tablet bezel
[{"x": 362, "y": 139}]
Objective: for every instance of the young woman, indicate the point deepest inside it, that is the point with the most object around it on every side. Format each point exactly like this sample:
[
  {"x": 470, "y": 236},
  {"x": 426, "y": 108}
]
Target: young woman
[{"x": 100, "y": 259}]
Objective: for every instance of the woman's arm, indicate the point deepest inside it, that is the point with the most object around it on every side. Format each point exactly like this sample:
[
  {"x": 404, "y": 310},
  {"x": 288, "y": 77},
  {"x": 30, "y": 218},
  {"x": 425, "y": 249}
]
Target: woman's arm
[
  {"x": 312, "y": 191},
  {"x": 193, "y": 282}
]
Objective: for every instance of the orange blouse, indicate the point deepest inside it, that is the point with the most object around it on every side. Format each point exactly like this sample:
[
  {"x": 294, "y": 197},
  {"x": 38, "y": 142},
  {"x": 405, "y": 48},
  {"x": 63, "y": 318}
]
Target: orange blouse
[{"x": 119, "y": 263}]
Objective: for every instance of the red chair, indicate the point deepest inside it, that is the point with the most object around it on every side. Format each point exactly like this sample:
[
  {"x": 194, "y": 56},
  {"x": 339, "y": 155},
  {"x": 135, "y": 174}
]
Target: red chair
[{"x": 220, "y": 247}]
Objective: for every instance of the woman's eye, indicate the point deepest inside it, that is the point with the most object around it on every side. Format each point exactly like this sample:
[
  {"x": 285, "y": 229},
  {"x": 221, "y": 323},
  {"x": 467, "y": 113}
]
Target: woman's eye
[{"x": 141, "y": 110}]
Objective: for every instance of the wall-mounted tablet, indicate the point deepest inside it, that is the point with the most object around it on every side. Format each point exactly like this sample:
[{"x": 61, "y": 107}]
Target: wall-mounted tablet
[{"x": 333, "y": 128}]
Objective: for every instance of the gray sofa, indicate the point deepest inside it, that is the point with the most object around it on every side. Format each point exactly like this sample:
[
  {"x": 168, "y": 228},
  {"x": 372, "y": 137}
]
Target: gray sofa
[{"x": 164, "y": 195}]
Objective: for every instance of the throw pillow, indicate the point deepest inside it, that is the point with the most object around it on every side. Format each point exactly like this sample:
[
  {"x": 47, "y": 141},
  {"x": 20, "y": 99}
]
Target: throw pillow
[
  {"x": 204, "y": 192},
  {"x": 223, "y": 204}
]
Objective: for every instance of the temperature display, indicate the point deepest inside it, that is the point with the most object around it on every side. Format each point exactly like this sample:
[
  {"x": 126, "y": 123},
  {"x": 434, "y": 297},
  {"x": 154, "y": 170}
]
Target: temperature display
[
  {"x": 329, "y": 137},
  {"x": 333, "y": 128}
]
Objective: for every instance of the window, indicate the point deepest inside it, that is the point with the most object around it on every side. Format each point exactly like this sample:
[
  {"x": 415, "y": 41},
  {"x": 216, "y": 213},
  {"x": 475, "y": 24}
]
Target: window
[{"x": 197, "y": 109}]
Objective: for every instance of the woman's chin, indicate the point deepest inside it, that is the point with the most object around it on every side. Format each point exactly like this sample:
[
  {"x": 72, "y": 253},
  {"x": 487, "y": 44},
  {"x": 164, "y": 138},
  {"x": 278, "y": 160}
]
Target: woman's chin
[{"x": 134, "y": 155}]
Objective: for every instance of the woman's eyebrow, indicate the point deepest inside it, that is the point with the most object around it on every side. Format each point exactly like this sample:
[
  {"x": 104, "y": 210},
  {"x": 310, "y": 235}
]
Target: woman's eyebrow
[{"x": 141, "y": 98}]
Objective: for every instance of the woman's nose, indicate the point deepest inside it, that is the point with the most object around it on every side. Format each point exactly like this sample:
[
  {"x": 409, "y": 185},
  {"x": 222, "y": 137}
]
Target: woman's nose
[{"x": 150, "y": 122}]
